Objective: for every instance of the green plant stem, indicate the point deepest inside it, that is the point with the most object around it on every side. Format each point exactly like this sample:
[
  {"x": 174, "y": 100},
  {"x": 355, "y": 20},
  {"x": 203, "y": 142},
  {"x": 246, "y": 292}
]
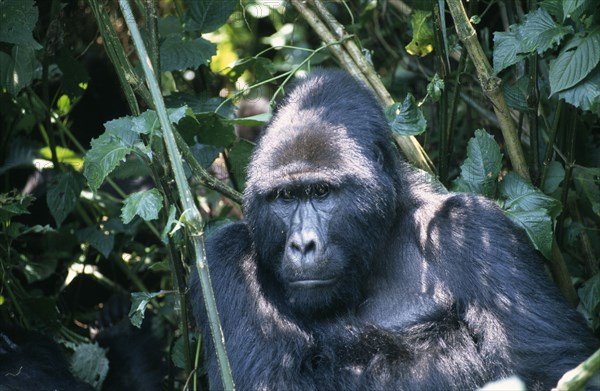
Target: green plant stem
[
  {"x": 576, "y": 379},
  {"x": 443, "y": 70},
  {"x": 491, "y": 86},
  {"x": 202, "y": 175},
  {"x": 455, "y": 94},
  {"x": 533, "y": 101},
  {"x": 357, "y": 65},
  {"x": 191, "y": 212},
  {"x": 116, "y": 54},
  {"x": 551, "y": 139}
]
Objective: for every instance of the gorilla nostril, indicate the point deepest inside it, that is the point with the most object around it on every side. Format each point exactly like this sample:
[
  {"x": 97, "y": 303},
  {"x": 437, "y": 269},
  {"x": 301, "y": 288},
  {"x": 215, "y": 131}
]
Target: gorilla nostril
[{"x": 302, "y": 246}]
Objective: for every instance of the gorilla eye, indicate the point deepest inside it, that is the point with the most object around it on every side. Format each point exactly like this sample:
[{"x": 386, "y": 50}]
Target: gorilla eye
[
  {"x": 321, "y": 190},
  {"x": 285, "y": 194}
]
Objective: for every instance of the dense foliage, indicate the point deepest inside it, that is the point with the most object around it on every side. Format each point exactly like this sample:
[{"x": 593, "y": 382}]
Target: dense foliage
[{"x": 89, "y": 202}]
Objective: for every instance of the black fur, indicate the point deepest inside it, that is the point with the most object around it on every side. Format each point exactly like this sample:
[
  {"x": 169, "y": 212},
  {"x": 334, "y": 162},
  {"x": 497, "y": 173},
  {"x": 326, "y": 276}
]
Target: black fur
[{"x": 403, "y": 286}]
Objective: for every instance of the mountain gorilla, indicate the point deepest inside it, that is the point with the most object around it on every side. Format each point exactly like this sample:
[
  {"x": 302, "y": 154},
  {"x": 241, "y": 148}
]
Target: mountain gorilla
[{"x": 352, "y": 271}]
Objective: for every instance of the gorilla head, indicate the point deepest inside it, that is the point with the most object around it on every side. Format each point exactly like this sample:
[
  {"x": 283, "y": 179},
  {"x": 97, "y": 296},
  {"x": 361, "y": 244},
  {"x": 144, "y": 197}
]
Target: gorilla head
[{"x": 312, "y": 166}]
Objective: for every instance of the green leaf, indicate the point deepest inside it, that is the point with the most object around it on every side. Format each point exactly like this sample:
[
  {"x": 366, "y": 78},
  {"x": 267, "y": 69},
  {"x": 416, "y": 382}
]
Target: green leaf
[
  {"x": 538, "y": 226},
  {"x": 507, "y": 50},
  {"x": 177, "y": 54},
  {"x": 106, "y": 153},
  {"x": 556, "y": 174},
  {"x": 422, "y": 41},
  {"x": 139, "y": 302},
  {"x": 205, "y": 154},
  {"x": 573, "y": 8},
  {"x": 17, "y": 70},
  {"x": 554, "y": 7},
  {"x": 208, "y": 15},
  {"x": 589, "y": 294},
  {"x": 89, "y": 364},
  {"x": 145, "y": 204},
  {"x": 39, "y": 269},
  {"x": 530, "y": 209},
  {"x": 63, "y": 194},
  {"x": 480, "y": 170},
  {"x": 586, "y": 94},
  {"x": 575, "y": 61},
  {"x": 255, "y": 120},
  {"x": 435, "y": 88},
  {"x": 521, "y": 195},
  {"x": 17, "y": 21},
  {"x": 177, "y": 352},
  {"x": 12, "y": 204},
  {"x": 516, "y": 94},
  {"x": 100, "y": 239},
  {"x": 587, "y": 183},
  {"x": 239, "y": 156},
  {"x": 408, "y": 119},
  {"x": 213, "y": 130},
  {"x": 540, "y": 32}
]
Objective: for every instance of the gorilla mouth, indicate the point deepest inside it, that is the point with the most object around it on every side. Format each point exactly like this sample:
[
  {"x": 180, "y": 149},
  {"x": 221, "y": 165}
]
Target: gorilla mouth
[{"x": 309, "y": 284}]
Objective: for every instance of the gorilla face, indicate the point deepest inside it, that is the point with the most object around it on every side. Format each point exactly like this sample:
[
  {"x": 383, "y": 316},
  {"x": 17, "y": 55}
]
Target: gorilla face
[{"x": 315, "y": 214}]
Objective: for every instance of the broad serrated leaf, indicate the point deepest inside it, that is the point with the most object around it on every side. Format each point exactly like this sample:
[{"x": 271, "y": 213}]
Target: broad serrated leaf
[
  {"x": 145, "y": 204},
  {"x": 139, "y": 302},
  {"x": 540, "y": 32},
  {"x": 406, "y": 119},
  {"x": 554, "y": 177},
  {"x": 507, "y": 50},
  {"x": 17, "y": 21},
  {"x": 575, "y": 61},
  {"x": 573, "y": 8},
  {"x": 586, "y": 94},
  {"x": 554, "y": 7},
  {"x": 480, "y": 170},
  {"x": 100, "y": 239},
  {"x": 177, "y": 54},
  {"x": 522, "y": 196},
  {"x": 89, "y": 364},
  {"x": 435, "y": 87},
  {"x": 208, "y": 15},
  {"x": 538, "y": 226},
  {"x": 63, "y": 194},
  {"x": 105, "y": 154},
  {"x": 516, "y": 94},
  {"x": 530, "y": 209}
]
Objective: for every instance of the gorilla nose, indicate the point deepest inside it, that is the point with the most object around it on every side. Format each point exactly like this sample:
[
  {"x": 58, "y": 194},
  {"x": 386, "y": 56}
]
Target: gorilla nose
[{"x": 302, "y": 248}]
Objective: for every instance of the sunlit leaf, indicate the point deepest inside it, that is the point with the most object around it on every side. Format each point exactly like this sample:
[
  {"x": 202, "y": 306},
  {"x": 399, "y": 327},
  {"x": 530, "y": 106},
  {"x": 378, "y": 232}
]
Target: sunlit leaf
[
  {"x": 145, "y": 204},
  {"x": 422, "y": 41},
  {"x": 480, "y": 170},
  {"x": 406, "y": 119}
]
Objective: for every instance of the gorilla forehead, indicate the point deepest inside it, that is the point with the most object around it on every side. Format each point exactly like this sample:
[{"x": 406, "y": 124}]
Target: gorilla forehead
[{"x": 307, "y": 149}]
